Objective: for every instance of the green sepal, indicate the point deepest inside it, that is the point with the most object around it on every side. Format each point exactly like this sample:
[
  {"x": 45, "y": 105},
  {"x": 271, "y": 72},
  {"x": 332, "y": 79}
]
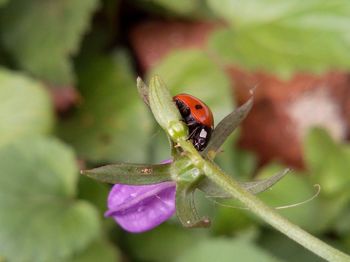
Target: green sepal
[
  {"x": 226, "y": 127},
  {"x": 212, "y": 190},
  {"x": 185, "y": 207},
  {"x": 130, "y": 174},
  {"x": 165, "y": 111},
  {"x": 143, "y": 90}
]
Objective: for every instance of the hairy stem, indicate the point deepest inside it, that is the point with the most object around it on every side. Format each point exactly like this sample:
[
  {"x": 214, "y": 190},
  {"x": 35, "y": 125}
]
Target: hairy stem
[{"x": 268, "y": 214}]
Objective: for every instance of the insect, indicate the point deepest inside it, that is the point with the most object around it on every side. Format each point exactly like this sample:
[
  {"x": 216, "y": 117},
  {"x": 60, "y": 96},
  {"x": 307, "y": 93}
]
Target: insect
[{"x": 198, "y": 117}]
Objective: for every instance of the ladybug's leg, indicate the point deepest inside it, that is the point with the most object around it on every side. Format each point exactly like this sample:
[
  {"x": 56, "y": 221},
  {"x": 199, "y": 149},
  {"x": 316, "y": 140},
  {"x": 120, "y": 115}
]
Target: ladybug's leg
[{"x": 193, "y": 132}]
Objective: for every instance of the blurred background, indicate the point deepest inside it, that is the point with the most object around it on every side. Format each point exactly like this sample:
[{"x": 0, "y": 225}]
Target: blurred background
[{"x": 68, "y": 101}]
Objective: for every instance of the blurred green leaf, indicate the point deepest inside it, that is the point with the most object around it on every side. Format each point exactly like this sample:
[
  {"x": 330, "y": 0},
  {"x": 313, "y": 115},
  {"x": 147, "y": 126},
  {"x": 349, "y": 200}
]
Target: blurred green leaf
[
  {"x": 284, "y": 37},
  {"x": 236, "y": 161},
  {"x": 112, "y": 123},
  {"x": 328, "y": 162},
  {"x": 184, "y": 8},
  {"x": 95, "y": 193},
  {"x": 3, "y": 2},
  {"x": 179, "y": 7},
  {"x": 285, "y": 248},
  {"x": 342, "y": 224},
  {"x": 39, "y": 218},
  {"x": 164, "y": 243},
  {"x": 25, "y": 107},
  {"x": 100, "y": 250},
  {"x": 221, "y": 249},
  {"x": 193, "y": 72},
  {"x": 228, "y": 221},
  {"x": 42, "y": 35}
]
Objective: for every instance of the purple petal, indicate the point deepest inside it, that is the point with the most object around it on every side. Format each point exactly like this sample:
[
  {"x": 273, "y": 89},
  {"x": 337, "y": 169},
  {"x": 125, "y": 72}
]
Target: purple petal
[{"x": 141, "y": 208}]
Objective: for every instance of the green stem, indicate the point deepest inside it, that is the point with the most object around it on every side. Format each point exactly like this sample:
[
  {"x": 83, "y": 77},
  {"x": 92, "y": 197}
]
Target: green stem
[{"x": 268, "y": 214}]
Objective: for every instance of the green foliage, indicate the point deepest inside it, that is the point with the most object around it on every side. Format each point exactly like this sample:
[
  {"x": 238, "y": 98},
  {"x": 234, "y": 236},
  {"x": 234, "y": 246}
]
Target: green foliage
[
  {"x": 224, "y": 250},
  {"x": 42, "y": 35},
  {"x": 3, "y": 2},
  {"x": 111, "y": 124},
  {"x": 39, "y": 218},
  {"x": 48, "y": 214},
  {"x": 284, "y": 37},
  {"x": 25, "y": 107},
  {"x": 329, "y": 162},
  {"x": 182, "y": 8},
  {"x": 164, "y": 243},
  {"x": 285, "y": 249},
  {"x": 100, "y": 250}
]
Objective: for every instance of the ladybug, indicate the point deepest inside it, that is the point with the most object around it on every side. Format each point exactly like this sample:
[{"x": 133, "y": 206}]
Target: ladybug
[{"x": 198, "y": 117}]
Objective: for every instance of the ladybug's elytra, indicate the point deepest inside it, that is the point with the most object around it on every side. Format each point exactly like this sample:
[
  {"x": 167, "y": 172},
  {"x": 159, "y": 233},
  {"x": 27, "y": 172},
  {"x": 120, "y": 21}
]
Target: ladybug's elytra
[{"x": 198, "y": 117}]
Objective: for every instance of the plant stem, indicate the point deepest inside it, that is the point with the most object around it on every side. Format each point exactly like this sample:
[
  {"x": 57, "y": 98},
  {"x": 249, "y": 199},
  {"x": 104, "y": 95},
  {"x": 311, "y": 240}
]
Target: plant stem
[{"x": 268, "y": 214}]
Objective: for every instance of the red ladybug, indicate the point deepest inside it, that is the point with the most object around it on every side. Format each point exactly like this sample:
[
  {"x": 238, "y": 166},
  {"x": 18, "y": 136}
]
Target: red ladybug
[{"x": 198, "y": 117}]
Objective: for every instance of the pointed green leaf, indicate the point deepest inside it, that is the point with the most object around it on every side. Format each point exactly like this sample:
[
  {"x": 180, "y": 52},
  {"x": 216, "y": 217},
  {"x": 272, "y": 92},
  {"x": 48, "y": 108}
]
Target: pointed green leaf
[
  {"x": 40, "y": 219},
  {"x": 212, "y": 190},
  {"x": 165, "y": 110},
  {"x": 130, "y": 174},
  {"x": 185, "y": 208},
  {"x": 259, "y": 186},
  {"x": 25, "y": 107},
  {"x": 226, "y": 127},
  {"x": 43, "y": 35}
]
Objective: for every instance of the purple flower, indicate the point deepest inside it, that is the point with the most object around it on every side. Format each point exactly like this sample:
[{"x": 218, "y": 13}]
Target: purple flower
[{"x": 142, "y": 207}]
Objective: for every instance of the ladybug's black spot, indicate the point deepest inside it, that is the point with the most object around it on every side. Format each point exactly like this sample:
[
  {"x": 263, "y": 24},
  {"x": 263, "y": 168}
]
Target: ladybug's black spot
[{"x": 198, "y": 107}]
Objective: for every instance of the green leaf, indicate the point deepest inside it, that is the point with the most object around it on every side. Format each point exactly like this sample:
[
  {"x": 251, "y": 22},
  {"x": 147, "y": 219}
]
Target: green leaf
[
  {"x": 39, "y": 218},
  {"x": 100, "y": 250},
  {"x": 43, "y": 35},
  {"x": 164, "y": 243},
  {"x": 95, "y": 193},
  {"x": 225, "y": 250},
  {"x": 3, "y": 2},
  {"x": 285, "y": 248},
  {"x": 254, "y": 187},
  {"x": 111, "y": 124},
  {"x": 130, "y": 174},
  {"x": 284, "y": 37},
  {"x": 25, "y": 107},
  {"x": 187, "y": 8},
  {"x": 239, "y": 163},
  {"x": 164, "y": 109},
  {"x": 179, "y": 7},
  {"x": 225, "y": 128},
  {"x": 329, "y": 162}
]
